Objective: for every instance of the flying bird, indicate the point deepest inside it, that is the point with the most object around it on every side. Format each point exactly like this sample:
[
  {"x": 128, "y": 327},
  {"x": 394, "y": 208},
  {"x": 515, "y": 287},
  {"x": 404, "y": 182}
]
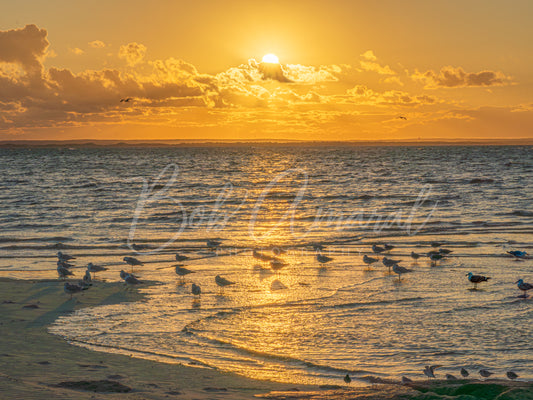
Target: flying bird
[
  {"x": 429, "y": 371},
  {"x": 402, "y": 117},
  {"x": 475, "y": 279},
  {"x": 126, "y": 100}
]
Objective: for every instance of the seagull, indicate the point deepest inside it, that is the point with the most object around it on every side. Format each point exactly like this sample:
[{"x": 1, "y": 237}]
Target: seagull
[
  {"x": 195, "y": 289},
  {"x": 72, "y": 289},
  {"x": 445, "y": 251},
  {"x": 401, "y": 117},
  {"x": 450, "y": 377},
  {"x": 518, "y": 254},
  {"x": 323, "y": 259},
  {"x": 276, "y": 264},
  {"x": 95, "y": 268},
  {"x": 180, "y": 257},
  {"x": 223, "y": 282},
  {"x": 406, "y": 380},
  {"x": 64, "y": 264},
  {"x": 123, "y": 274},
  {"x": 87, "y": 277},
  {"x": 377, "y": 249},
  {"x": 435, "y": 257},
  {"x": 347, "y": 378},
  {"x": 436, "y": 244},
  {"x": 131, "y": 280},
  {"x": 213, "y": 244},
  {"x": 464, "y": 373},
  {"x": 369, "y": 260},
  {"x": 63, "y": 272},
  {"x": 511, "y": 375},
  {"x": 484, "y": 373},
  {"x": 388, "y": 262},
  {"x": 400, "y": 270},
  {"x": 524, "y": 286},
  {"x": 429, "y": 371},
  {"x": 64, "y": 257},
  {"x": 415, "y": 256},
  {"x": 132, "y": 261},
  {"x": 183, "y": 271},
  {"x": 475, "y": 279},
  {"x": 388, "y": 247},
  {"x": 126, "y": 100}
]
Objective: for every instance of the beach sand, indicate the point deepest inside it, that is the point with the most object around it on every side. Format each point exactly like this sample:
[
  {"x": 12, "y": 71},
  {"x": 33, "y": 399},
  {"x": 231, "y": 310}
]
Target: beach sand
[{"x": 35, "y": 364}]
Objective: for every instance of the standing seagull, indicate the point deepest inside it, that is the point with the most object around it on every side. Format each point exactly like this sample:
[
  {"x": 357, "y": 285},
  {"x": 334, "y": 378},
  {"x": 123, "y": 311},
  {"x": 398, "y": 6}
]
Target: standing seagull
[
  {"x": 524, "y": 287},
  {"x": 389, "y": 262},
  {"x": 435, "y": 257},
  {"x": 347, "y": 378},
  {"x": 72, "y": 289},
  {"x": 415, "y": 256},
  {"x": 132, "y": 261},
  {"x": 517, "y": 254},
  {"x": 511, "y": 375},
  {"x": 464, "y": 373},
  {"x": 475, "y": 279},
  {"x": 62, "y": 271},
  {"x": 400, "y": 270},
  {"x": 223, "y": 282},
  {"x": 64, "y": 257},
  {"x": 484, "y": 373},
  {"x": 95, "y": 268},
  {"x": 180, "y": 257},
  {"x": 377, "y": 249},
  {"x": 323, "y": 259},
  {"x": 87, "y": 277},
  {"x": 369, "y": 260},
  {"x": 195, "y": 289},
  {"x": 429, "y": 371},
  {"x": 181, "y": 272}
]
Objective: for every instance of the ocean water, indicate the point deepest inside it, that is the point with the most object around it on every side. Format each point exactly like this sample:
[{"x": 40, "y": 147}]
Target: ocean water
[{"x": 308, "y": 322}]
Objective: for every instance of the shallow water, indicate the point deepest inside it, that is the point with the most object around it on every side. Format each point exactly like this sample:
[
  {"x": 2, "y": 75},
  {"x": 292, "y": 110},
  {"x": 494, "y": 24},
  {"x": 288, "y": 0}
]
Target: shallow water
[{"x": 331, "y": 319}]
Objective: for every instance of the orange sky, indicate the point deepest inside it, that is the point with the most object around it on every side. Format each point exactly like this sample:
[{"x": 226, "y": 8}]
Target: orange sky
[{"x": 348, "y": 70}]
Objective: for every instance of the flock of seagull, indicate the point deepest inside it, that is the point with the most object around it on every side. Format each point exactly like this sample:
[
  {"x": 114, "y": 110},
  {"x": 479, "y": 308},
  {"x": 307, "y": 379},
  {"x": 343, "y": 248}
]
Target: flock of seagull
[{"x": 64, "y": 265}]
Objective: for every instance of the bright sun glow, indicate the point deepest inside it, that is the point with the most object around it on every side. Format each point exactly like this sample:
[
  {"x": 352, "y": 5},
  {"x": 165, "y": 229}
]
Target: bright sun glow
[{"x": 271, "y": 59}]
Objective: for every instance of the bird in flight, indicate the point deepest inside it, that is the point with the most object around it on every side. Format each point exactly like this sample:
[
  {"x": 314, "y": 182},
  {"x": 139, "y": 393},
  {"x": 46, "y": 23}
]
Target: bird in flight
[
  {"x": 126, "y": 100},
  {"x": 402, "y": 117}
]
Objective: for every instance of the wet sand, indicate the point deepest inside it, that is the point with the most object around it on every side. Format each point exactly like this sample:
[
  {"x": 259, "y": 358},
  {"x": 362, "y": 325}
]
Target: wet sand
[{"x": 35, "y": 364}]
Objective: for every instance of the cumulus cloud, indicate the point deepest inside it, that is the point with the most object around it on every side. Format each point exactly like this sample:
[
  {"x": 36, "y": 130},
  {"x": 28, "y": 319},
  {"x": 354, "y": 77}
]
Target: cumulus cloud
[
  {"x": 97, "y": 44},
  {"x": 452, "y": 77},
  {"x": 26, "y": 47},
  {"x": 369, "y": 55},
  {"x": 132, "y": 52},
  {"x": 77, "y": 51},
  {"x": 361, "y": 94}
]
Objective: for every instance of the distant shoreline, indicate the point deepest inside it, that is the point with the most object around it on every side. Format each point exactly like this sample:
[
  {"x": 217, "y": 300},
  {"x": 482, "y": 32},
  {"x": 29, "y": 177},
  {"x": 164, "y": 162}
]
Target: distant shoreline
[{"x": 88, "y": 143}]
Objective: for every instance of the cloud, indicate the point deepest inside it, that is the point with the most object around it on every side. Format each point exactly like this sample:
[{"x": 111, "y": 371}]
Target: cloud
[
  {"x": 369, "y": 55},
  {"x": 133, "y": 53},
  {"x": 361, "y": 94},
  {"x": 97, "y": 44},
  {"x": 77, "y": 51},
  {"x": 453, "y": 77},
  {"x": 26, "y": 47}
]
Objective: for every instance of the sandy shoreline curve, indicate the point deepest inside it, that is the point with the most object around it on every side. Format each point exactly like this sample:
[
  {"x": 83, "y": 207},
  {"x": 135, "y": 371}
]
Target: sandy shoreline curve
[{"x": 35, "y": 364}]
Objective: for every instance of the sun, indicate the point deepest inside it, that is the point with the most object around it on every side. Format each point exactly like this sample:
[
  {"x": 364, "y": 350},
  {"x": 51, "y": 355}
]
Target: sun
[{"x": 270, "y": 59}]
